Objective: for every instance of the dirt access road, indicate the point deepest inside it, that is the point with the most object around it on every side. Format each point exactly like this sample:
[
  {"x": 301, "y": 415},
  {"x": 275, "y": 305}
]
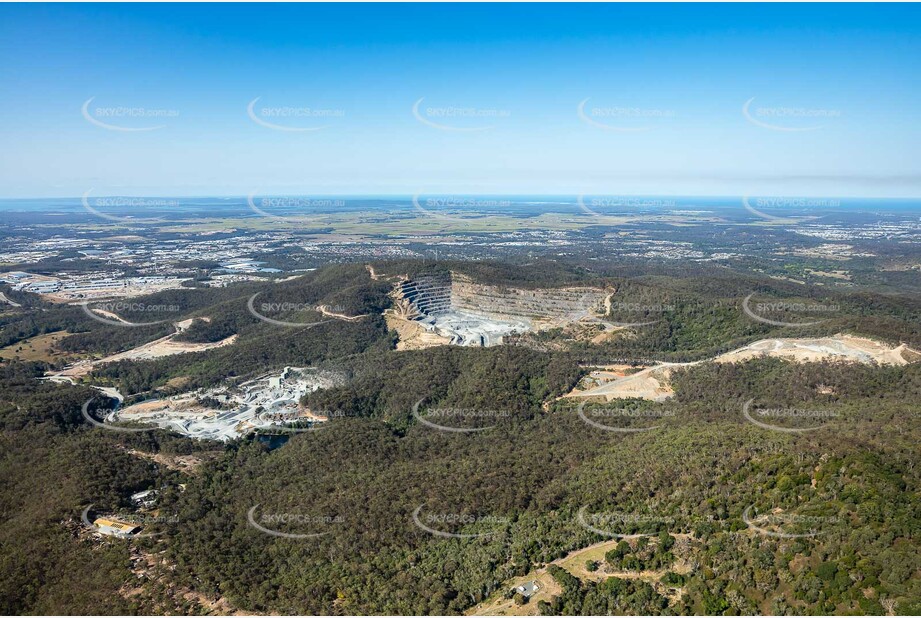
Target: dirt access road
[{"x": 653, "y": 382}]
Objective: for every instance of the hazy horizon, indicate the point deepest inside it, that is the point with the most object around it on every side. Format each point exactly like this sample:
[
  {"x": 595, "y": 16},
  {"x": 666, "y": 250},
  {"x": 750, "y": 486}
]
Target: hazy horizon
[{"x": 550, "y": 99}]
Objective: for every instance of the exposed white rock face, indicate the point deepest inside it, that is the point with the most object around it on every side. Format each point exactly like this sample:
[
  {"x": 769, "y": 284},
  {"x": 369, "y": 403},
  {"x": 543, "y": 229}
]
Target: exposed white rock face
[{"x": 468, "y": 313}]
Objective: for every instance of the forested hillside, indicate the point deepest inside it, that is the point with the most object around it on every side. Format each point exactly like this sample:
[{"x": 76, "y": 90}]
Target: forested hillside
[{"x": 704, "y": 511}]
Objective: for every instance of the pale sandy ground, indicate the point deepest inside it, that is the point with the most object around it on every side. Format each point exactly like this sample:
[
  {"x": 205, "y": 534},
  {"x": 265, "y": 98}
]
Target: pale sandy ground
[
  {"x": 325, "y": 310},
  {"x": 653, "y": 382},
  {"x": 574, "y": 562},
  {"x": 650, "y": 383},
  {"x": 497, "y": 605},
  {"x": 181, "y": 463},
  {"x": 165, "y": 346},
  {"x": 839, "y": 347},
  {"x": 187, "y": 407},
  {"x": 834, "y": 274},
  {"x": 412, "y": 336},
  {"x": 37, "y": 348},
  {"x": 291, "y": 278},
  {"x": 371, "y": 272},
  {"x": 108, "y": 314},
  {"x": 177, "y": 406},
  {"x": 4, "y": 299},
  {"x": 305, "y": 412}
]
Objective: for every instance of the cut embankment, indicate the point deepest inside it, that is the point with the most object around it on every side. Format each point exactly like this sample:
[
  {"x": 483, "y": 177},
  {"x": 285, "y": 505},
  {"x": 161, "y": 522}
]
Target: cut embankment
[
  {"x": 654, "y": 382},
  {"x": 462, "y": 312},
  {"x": 159, "y": 348}
]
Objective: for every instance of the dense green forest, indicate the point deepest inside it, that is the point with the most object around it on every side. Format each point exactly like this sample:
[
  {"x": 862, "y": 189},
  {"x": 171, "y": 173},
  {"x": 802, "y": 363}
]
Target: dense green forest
[{"x": 846, "y": 495}]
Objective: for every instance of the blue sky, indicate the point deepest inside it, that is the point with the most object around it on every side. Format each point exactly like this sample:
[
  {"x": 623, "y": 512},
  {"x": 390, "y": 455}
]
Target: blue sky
[{"x": 836, "y": 90}]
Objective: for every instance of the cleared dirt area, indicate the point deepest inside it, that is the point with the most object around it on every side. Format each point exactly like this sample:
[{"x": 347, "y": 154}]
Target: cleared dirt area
[
  {"x": 180, "y": 463},
  {"x": 839, "y": 347},
  {"x": 374, "y": 275},
  {"x": 412, "y": 336},
  {"x": 5, "y": 299},
  {"x": 653, "y": 382},
  {"x": 109, "y": 314},
  {"x": 498, "y": 605},
  {"x": 834, "y": 274},
  {"x": 38, "y": 348},
  {"x": 325, "y": 310},
  {"x": 574, "y": 563},
  {"x": 168, "y": 347},
  {"x": 165, "y": 346},
  {"x": 155, "y": 349}
]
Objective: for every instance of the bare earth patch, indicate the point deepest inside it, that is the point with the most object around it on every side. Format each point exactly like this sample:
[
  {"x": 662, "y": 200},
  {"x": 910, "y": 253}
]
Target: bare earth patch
[
  {"x": 38, "y": 348},
  {"x": 412, "y": 336},
  {"x": 325, "y": 310},
  {"x": 180, "y": 463},
  {"x": 498, "y": 605},
  {"x": 574, "y": 563},
  {"x": 839, "y": 347},
  {"x": 165, "y": 346},
  {"x": 653, "y": 382}
]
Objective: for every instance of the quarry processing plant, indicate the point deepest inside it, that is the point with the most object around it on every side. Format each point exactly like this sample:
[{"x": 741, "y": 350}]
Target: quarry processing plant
[
  {"x": 462, "y": 312},
  {"x": 268, "y": 402}
]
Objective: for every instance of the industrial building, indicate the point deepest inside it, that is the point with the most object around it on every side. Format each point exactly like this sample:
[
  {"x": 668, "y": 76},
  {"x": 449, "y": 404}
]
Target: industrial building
[
  {"x": 145, "y": 498},
  {"x": 113, "y": 527}
]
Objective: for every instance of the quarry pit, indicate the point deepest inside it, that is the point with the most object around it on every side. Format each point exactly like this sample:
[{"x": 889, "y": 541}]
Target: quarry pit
[{"x": 450, "y": 308}]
